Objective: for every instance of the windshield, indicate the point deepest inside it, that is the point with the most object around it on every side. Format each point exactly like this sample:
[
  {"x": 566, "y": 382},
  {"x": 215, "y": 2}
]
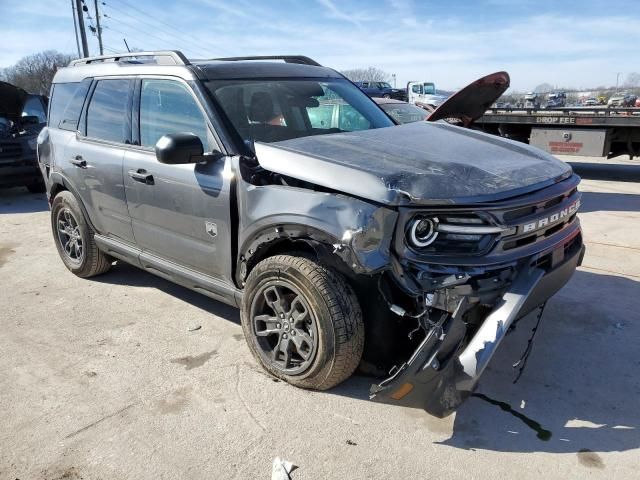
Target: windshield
[
  {"x": 405, "y": 112},
  {"x": 429, "y": 89},
  {"x": 383, "y": 85},
  {"x": 275, "y": 110}
]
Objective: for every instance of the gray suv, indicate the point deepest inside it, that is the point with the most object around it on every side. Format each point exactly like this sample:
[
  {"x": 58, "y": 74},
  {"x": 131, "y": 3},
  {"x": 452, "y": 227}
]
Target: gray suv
[{"x": 276, "y": 185}]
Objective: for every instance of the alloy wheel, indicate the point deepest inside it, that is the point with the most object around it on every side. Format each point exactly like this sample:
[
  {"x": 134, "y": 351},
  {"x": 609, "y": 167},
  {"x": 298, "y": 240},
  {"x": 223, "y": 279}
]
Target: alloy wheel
[
  {"x": 69, "y": 235},
  {"x": 285, "y": 328}
]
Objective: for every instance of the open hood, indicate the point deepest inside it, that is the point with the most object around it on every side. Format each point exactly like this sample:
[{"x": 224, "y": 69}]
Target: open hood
[
  {"x": 418, "y": 163},
  {"x": 470, "y": 103},
  {"x": 12, "y": 100}
]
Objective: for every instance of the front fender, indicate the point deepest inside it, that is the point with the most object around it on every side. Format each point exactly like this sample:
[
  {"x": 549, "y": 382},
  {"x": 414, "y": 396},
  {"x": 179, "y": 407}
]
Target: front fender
[{"x": 358, "y": 231}]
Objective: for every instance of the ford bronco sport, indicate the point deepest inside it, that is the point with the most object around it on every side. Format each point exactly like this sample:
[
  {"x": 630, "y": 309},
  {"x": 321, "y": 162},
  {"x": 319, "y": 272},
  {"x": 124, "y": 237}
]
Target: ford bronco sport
[{"x": 276, "y": 185}]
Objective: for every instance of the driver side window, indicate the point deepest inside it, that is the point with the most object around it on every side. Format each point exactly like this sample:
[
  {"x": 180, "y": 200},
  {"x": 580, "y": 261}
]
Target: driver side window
[{"x": 167, "y": 106}]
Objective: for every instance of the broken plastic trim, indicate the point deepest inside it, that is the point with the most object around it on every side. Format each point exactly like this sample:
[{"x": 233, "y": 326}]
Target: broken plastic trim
[{"x": 439, "y": 386}]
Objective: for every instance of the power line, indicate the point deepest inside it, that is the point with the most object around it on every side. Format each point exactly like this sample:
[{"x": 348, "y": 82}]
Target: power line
[
  {"x": 140, "y": 31},
  {"x": 128, "y": 24},
  {"x": 165, "y": 24}
]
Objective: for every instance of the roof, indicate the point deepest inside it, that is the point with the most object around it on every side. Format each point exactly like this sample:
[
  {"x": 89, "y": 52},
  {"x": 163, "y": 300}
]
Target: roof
[
  {"x": 218, "y": 70},
  {"x": 174, "y": 63}
]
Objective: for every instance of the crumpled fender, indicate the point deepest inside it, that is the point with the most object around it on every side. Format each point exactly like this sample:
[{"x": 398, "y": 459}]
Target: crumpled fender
[{"x": 357, "y": 231}]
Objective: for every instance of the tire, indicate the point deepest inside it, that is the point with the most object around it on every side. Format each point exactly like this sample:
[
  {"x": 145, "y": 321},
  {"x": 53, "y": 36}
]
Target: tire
[
  {"x": 37, "y": 187},
  {"x": 73, "y": 237},
  {"x": 386, "y": 95},
  {"x": 319, "y": 305}
]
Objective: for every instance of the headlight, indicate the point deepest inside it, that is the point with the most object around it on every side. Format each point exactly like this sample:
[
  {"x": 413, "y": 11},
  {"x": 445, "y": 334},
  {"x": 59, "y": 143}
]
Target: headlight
[
  {"x": 451, "y": 233},
  {"x": 423, "y": 231}
]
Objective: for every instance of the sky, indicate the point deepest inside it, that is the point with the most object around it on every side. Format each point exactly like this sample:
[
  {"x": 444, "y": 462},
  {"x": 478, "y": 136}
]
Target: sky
[{"x": 570, "y": 43}]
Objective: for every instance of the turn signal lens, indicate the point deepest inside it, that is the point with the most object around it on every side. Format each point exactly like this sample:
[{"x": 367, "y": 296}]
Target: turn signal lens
[{"x": 402, "y": 391}]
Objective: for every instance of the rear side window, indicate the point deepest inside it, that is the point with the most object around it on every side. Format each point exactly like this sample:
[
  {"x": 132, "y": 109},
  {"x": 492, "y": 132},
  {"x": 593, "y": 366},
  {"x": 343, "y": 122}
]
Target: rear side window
[
  {"x": 107, "y": 111},
  {"x": 66, "y": 104}
]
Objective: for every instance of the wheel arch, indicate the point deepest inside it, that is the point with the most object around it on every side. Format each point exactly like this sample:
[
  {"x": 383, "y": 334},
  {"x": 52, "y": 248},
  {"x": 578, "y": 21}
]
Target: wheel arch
[
  {"x": 58, "y": 183},
  {"x": 290, "y": 238}
]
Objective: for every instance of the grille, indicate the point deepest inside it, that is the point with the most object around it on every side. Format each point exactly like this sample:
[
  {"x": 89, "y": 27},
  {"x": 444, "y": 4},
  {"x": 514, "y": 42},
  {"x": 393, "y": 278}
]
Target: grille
[{"x": 542, "y": 220}]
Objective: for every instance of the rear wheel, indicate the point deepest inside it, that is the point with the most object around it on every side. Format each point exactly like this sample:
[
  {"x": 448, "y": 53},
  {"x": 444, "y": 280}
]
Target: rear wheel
[
  {"x": 302, "y": 322},
  {"x": 74, "y": 238}
]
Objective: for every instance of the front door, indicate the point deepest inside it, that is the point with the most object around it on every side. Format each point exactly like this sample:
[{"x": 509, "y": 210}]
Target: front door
[{"x": 180, "y": 213}]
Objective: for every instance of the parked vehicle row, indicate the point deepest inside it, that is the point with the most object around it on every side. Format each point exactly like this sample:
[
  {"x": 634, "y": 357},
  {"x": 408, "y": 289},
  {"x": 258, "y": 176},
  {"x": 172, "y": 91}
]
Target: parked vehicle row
[{"x": 623, "y": 100}]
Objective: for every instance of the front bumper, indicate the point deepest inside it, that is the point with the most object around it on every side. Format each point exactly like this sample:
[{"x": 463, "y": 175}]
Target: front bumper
[{"x": 439, "y": 385}]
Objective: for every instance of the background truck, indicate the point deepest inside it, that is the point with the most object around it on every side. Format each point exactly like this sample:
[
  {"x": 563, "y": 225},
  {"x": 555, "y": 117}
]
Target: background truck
[
  {"x": 531, "y": 100},
  {"x": 556, "y": 99},
  {"x": 424, "y": 95},
  {"x": 588, "y": 131}
]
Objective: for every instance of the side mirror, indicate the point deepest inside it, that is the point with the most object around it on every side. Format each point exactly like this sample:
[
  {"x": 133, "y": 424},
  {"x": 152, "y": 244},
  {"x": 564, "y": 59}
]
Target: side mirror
[{"x": 179, "y": 148}]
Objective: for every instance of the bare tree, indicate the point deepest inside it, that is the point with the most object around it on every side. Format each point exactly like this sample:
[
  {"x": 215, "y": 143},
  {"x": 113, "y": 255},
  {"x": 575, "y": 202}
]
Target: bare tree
[
  {"x": 633, "y": 80},
  {"x": 543, "y": 88},
  {"x": 370, "y": 74},
  {"x": 35, "y": 72}
]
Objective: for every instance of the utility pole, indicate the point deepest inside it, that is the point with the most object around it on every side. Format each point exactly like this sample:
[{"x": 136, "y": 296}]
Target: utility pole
[
  {"x": 95, "y": 4},
  {"x": 75, "y": 26},
  {"x": 83, "y": 33},
  {"x": 618, "y": 79}
]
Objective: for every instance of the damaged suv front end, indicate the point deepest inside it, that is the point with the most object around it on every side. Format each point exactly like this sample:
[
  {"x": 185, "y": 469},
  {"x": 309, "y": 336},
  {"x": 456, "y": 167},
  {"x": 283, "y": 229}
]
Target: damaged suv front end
[
  {"x": 473, "y": 273},
  {"x": 483, "y": 231}
]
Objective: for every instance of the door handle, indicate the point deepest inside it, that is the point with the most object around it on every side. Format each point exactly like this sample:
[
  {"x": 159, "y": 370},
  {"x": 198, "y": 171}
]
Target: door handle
[
  {"x": 78, "y": 161},
  {"x": 141, "y": 176}
]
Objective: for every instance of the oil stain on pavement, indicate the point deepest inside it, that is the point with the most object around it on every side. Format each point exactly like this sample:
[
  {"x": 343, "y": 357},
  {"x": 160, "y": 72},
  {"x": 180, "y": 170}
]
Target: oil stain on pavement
[
  {"x": 190, "y": 362},
  {"x": 175, "y": 402},
  {"x": 590, "y": 459},
  {"x": 5, "y": 252}
]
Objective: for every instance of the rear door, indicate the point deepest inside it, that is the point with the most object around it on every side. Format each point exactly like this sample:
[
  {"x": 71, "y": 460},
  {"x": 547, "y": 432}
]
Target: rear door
[
  {"x": 180, "y": 213},
  {"x": 94, "y": 156}
]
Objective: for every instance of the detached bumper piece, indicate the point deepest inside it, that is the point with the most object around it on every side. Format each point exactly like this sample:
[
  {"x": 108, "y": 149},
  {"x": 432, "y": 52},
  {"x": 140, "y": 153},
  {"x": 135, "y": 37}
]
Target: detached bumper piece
[{"x": 439, "y": 385}]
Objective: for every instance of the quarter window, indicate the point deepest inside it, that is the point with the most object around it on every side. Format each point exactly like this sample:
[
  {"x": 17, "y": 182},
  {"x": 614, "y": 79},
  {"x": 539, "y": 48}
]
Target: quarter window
[
  {"x": 107, "y": 112},
  {"x": 168, "y": 106},
  {"x": 66, "y": 104}
]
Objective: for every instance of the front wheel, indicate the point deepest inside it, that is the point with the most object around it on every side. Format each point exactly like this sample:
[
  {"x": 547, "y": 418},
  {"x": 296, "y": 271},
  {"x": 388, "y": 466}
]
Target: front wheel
[{"x": 302, "y": 322}]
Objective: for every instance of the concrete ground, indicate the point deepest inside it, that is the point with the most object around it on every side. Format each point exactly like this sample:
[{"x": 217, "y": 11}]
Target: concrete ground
[{"x": 103, "y": 379}]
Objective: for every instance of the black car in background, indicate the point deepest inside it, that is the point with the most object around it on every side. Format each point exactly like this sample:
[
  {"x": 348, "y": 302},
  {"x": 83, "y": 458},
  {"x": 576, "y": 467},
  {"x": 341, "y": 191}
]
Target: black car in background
[
  {"x": 22, "y": 116},
  {"x": 402, "y": 112},
  {"x": 382, "y": 90}
]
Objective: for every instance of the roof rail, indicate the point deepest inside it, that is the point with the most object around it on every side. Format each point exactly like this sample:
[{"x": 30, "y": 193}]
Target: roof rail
[
  {"x": 164, "y": 57},
  {"x": 301, "y": 59}
]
